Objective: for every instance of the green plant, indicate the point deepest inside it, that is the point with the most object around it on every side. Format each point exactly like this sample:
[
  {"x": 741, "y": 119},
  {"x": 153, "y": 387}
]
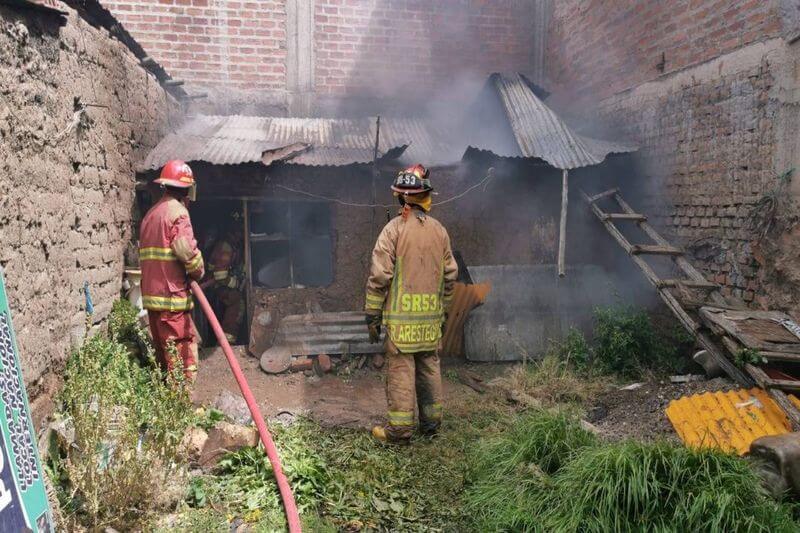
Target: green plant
[
  {"x": 510, "y": 473},
  {"x": 628, "y": 343},
  {"x": 749, "y": 356},
  {"x": 632, "y": 486},
  {"x": 209, "y": 418},
  {"x": 128, "y": 422},
  {"x": 574, "y": 349}
]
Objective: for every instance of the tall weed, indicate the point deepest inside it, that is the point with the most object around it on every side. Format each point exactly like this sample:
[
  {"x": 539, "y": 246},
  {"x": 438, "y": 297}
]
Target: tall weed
[
  {"x": 129, "y": 421},
  {"x": 627, "y": 343}
]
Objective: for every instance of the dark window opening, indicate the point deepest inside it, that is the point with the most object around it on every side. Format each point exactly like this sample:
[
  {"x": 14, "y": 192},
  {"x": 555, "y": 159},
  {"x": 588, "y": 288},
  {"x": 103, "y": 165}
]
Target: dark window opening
[{"x": 290, "y": 244}]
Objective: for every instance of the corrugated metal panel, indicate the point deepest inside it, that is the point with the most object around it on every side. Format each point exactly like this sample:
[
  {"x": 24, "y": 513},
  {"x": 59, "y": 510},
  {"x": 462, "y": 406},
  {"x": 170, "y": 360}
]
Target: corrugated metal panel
[
  {"x": 328, "y": 333},
  {"x": 226, "y": 140},
  {"x": 730, "y": 420},
  {"x": 541, "y": 133}
]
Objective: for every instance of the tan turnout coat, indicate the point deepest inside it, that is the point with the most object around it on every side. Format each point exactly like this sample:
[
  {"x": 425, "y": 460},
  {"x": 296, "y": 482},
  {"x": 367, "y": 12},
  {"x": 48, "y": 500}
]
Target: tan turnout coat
[{"x": 411, "y": 280}]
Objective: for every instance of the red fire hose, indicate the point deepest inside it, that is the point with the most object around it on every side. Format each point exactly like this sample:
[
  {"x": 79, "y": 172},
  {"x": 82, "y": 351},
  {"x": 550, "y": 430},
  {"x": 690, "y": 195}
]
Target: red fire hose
[{"x": 292, "y": 517}]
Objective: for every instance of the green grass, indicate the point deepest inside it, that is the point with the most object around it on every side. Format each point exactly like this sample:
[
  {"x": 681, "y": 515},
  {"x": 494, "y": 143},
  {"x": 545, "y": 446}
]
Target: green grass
[
  {"x": 344, "y": 480},
  {"x": 510, "y": 472},
  {"x": 581, "y": 484}
]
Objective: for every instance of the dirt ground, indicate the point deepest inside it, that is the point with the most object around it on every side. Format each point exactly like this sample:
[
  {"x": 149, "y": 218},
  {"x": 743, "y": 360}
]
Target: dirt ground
[
  {"x": 354, "y": 401},
  {"x": 358, "y": 400},
  {"x": 639, "y": 413}
]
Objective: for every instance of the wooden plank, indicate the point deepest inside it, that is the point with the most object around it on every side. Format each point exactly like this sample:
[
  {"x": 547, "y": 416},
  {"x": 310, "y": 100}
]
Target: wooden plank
[
  {"x": 691, "y": 284},
  {"x": 625, "y": 216},
  {"x": 778, "y": 395},
  {"x": 654, "y": 249},
  {"x": 604, "y": 194},
  {"x": 562, "y": 228},
  {"x": 248, "y": 269},
  {"x": 780, "y": 356},
  {"x": 727, "y": 320}
]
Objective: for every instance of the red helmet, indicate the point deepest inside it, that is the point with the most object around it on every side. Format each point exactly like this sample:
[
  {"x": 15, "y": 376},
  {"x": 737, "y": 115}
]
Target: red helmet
[
  {"x": 413, "y": 180},
  {"x": 176, "y": 173}
]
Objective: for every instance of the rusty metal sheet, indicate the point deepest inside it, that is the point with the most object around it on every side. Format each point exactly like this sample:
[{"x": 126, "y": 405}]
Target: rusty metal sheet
[
  {"x": 229, "y": 140},
  {"x": 465, "y": 299},
  {"x": 728, "y": 420},
  {"x": 538, "y": 130}
]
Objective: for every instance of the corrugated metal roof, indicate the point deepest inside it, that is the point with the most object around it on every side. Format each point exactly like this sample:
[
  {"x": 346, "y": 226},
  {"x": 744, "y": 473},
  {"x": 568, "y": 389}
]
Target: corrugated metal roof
[
  {"x": 540, "y": 132},
  {"x": 730, "y": 420},
  {"x": 226, "y": 140}
]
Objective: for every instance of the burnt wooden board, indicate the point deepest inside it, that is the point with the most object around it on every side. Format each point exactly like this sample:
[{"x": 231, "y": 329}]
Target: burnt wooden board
[{"x": 758, "y": 330}]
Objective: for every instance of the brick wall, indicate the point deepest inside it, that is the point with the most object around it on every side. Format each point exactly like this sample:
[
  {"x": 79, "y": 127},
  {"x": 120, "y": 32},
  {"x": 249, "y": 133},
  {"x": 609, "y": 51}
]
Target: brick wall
[
  {"x": 359, "y": 47},
  {"x": 379, "y": 45},
  {"x": 238, "y": 44},
  {"x": 707, "y": 152},
  {"x": 67, "y": 190},
  {"x": 710, "y": 126},
  {"x": 600, "y": 47}
]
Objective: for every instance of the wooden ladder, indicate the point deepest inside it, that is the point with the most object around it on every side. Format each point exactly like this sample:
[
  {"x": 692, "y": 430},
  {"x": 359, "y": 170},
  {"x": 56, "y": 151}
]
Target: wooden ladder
[{"x": 694, "y": 280}]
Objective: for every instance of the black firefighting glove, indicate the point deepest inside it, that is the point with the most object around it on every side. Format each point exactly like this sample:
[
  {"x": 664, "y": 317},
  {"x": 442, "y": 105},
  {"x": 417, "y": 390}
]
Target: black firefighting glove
[{"x": 374, "y": 326}]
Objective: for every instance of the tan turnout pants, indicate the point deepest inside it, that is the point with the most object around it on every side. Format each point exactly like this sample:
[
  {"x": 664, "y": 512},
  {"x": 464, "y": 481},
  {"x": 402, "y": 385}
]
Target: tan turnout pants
[{"x": 413, "y": 380}]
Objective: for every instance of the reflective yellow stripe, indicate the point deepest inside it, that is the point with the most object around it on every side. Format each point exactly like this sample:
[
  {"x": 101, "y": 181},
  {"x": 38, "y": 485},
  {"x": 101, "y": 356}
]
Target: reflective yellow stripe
[
  {"x": 167, "y": 303},
  {"x": 195, "y": 263},
  {"x": 220, "y": 274},
  {"x": 432, "y": 411},
  {"x": 416, "y": 347},
  {"x": 401, "y": 418},
  {"x": 154, "y": 253},
  {"x": 374, "y": 301},
  {"x": 411, "y": 318}
]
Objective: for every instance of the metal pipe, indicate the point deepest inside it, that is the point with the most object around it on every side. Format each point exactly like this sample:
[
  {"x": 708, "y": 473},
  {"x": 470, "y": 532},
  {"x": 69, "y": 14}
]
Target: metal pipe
[{"x": 292, "y": 516}]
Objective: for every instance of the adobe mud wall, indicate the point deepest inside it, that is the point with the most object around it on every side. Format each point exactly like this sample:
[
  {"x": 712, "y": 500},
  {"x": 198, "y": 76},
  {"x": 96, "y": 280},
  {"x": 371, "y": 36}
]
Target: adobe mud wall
[
  {"x": 709, "y": 91},
  {"x": 67, "y": 179}
]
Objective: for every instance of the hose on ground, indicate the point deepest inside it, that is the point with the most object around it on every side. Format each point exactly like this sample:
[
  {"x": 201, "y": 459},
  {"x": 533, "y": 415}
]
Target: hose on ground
[{"x": 292, "y": 517}]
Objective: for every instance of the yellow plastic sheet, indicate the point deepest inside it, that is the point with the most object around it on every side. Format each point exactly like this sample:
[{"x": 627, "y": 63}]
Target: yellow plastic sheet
[{"x": 729, "y": 420}]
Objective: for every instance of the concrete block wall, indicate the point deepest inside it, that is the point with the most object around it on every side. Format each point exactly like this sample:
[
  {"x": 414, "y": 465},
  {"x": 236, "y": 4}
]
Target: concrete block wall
[
  {"x": 259, "y": 56},
  {"x": 67, "y": 186},
  {"x": 715, "y": 127}
]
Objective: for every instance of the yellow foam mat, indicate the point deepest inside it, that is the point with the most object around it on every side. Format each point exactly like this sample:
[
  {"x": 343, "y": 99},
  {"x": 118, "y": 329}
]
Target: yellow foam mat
[{"x": 729, "y": 420}]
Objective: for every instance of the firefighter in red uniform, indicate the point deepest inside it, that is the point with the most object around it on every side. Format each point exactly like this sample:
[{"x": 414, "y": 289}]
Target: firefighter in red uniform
[
  {"x": 223, "y": 266},
  {"x": 168, "y": 253}
]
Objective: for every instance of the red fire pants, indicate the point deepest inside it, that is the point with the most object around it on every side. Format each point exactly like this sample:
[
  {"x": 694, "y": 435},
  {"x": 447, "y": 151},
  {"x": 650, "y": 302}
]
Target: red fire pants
[{"x": 177, "y": 328}]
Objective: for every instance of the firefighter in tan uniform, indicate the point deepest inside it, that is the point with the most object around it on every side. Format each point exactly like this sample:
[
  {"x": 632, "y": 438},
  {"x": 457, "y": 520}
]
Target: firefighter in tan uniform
[{"x": 409, "y": 290}]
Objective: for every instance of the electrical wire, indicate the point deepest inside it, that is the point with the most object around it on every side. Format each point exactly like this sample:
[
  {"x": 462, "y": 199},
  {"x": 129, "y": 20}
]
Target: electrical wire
[{"x": 485, "y": 180}]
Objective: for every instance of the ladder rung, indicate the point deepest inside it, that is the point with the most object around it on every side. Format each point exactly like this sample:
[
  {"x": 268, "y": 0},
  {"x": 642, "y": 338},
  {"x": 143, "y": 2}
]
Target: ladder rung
[
  {"x": 604, "y": 194},
  {"x": 654, "y": 249},
  {"x": 624, "y": 216},
  {"x": 666, "y": 283}
]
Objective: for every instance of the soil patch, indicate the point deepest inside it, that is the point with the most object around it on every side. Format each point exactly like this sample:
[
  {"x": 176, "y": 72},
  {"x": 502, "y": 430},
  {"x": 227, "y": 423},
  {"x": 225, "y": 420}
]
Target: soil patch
[
  {"x": 354, "y": 401},
  {"x": 639, "y": 413}
]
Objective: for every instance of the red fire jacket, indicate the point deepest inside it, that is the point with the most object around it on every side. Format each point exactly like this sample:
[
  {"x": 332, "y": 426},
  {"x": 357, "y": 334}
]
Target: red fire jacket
[{"x": 167, "y": 253}]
